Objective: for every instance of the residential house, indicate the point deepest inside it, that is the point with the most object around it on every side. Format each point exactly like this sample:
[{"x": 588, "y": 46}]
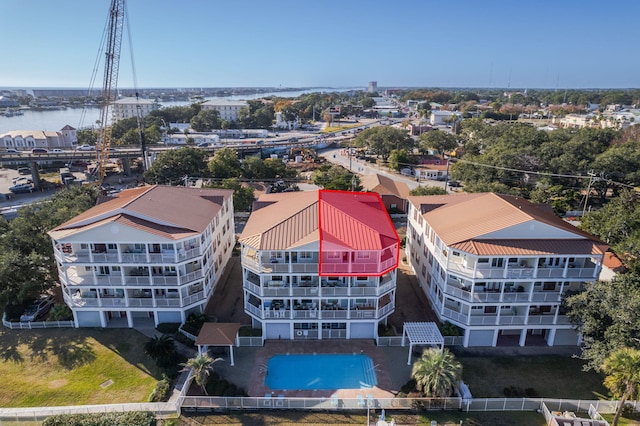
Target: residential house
[
  {"x": 153, "y": 253},
  {"x": 394, "y": 193},
  {"x": 498, "y": 266},
  {"x": 319, "y": 265}
]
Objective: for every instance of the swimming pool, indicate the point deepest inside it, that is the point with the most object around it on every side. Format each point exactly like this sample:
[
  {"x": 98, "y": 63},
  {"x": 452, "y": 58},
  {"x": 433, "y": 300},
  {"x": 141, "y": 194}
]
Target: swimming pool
[{"x": 320, "y": 372}]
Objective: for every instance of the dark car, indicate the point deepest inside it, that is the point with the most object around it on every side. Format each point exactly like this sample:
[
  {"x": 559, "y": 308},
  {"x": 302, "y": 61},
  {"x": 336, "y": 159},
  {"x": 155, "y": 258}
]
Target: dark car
[{"x": 39, "y": 151}]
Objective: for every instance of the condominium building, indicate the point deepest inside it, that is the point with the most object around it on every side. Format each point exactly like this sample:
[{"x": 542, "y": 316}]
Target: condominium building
[
  {"x": 153, "y": 252},
  {"x": 319, "y": 265},
  {"x": 26, "y": 140},
  {"x": 227, "y": 109},
  {"x": 131, "y": 107},
  {"x": 498, "y": 266}
]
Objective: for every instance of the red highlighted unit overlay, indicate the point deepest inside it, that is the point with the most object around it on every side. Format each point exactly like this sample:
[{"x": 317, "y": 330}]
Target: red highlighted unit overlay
[{"x": 357, "y": 237}]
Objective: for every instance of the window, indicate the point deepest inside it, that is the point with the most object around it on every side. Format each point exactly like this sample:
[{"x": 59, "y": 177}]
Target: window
[
  {"x": 549, "y": 286},
  {"x": 362, "y": 278},
  {"x": 306, "y": 255},
  {"x": 363, "y": 255},
  {"x": 497, "y": 262},
  {"x": 394, "y": 206},
  {"x": 333, "y": 255},
  {"x": 483, "y": 260},
  {"x": 84, "y": 246},
  {"x": 489, "y": 309},
  {"x": 111, "y": 246}
]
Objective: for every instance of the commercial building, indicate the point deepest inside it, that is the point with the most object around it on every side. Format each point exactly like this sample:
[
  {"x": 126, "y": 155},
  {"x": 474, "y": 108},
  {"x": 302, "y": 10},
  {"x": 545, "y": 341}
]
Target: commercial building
[
  {"x": 149, "y": 253},
  {"x": 498, "y": 266},
  {"x": 319, "y": 265}
]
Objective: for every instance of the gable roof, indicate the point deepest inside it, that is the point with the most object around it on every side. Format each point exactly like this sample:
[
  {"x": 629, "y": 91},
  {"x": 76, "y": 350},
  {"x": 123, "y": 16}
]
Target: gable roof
[
  {"x": 462, "y": 218},
  {"x": 384, "y": 185},
  {"x": 169, "y": 211},
  {"x": 354, "y": 220}
]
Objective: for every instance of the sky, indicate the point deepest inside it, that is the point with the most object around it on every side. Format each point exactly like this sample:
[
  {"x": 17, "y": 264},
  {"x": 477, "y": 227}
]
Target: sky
[{"x": 567, "y": 44}]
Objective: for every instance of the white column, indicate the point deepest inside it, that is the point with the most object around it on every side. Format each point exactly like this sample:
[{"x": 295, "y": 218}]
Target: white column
[
  {"x": 495, "y": 338},
  {"x": 523, "y": 337},
  {"x": 551, "y": 337},
  {"x": 231, "y": 354},
  {"x": 465, "y": 339},
  {"x": 410, "y": 351},
  {"x": 103, "y": 318},
  {"x": 129, "y": 319}
]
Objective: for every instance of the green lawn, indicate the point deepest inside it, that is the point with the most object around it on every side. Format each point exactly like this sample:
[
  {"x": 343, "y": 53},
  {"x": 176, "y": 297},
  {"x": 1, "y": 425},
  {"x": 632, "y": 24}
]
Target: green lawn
[
  {"x": 550, "y": 376},
  {"x": 72, "y": 366}
]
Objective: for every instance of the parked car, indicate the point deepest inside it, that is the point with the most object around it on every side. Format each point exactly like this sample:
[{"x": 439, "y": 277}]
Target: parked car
[
  {"x": 12, "y": 151},
  {"x": 57, "y": 150},
  {"x": 21, "y": 188},
  {"x": 20, "y": 180},
  {"x": 39, "y": 151},
  {"x": 24, "y": 171},
  {"x": 203, "y": 145},
  {"x": 86, "y": 147},
  {"x": 37, "y": 308}
]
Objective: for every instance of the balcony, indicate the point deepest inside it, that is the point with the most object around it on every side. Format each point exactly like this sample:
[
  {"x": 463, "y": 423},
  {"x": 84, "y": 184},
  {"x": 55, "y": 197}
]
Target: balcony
[{"x": 523, "y": 271}]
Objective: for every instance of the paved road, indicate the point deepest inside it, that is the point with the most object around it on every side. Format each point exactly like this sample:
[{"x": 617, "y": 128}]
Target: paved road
[{"x": 336, "y": 156}]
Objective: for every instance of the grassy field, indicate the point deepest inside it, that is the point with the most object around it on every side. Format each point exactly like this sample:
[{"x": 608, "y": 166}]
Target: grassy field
[
  {"x": 74, "y": 367},
  {"x": 449, "y": 418},
  {"x": 549, "y": 376}
]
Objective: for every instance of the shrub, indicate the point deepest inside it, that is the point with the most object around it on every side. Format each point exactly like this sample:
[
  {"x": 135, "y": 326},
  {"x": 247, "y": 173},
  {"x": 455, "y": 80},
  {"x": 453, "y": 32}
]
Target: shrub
[
  {"x": 408, "y": 387},
  {"x": 162, "y": 392},
  {"x": 131, "y": 418},
  {"x": 448, "y": 329},
  {"x": 531, "y": 393},
  {"x": 168, "y": 327},
  {"x": 60, "y": 312},
  {"x": 515, "y": 392}
]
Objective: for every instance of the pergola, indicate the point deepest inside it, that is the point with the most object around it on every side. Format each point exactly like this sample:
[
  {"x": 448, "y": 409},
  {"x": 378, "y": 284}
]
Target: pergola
[
  {"x": 422, "y": 333},
  {"x": 218, "y": 334}
]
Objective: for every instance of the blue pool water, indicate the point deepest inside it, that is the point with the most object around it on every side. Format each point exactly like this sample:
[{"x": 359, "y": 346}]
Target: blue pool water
[{"x": 320, "y": 372}]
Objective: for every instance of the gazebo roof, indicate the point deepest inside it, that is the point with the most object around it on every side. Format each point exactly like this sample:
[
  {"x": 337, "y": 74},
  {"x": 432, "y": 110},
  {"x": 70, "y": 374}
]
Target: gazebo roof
[
  {"x": 217, "y": 334},
  {"x": 423, "y": 333}
]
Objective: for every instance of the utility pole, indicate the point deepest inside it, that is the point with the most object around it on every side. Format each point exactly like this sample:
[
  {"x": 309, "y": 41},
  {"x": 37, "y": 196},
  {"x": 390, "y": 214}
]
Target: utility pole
[{"x": 586, "y": 199}]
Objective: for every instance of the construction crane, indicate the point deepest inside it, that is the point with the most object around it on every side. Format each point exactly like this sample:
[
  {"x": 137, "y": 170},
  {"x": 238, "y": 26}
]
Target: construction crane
[{"x": 115, "y": 26}]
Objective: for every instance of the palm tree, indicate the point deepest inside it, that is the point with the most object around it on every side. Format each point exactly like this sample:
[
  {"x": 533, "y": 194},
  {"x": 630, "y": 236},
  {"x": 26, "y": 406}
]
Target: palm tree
[
  {"x": 161, "y": 349},
  {"x": 622, "y": 368},
  {"x": 436, "y": 373},
  {"x": 201, "y": 366}
]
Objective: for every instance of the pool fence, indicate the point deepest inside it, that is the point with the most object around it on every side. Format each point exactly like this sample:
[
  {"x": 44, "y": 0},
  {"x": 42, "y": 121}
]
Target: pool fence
[{"x": 206, "y": 404}]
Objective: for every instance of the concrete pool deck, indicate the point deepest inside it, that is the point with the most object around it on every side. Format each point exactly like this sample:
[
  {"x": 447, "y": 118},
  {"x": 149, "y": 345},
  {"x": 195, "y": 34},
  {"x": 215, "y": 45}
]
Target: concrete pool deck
[{"x": 390, "y": 364}]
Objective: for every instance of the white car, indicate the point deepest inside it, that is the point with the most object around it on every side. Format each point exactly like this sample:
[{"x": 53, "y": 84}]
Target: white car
[
  {"x": 86, "y": 147},
  {"x": 58, "y": 150}
]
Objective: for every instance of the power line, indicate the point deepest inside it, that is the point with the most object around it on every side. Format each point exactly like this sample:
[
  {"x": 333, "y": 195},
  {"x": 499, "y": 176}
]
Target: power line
[{"x": 544, "y": 173}]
